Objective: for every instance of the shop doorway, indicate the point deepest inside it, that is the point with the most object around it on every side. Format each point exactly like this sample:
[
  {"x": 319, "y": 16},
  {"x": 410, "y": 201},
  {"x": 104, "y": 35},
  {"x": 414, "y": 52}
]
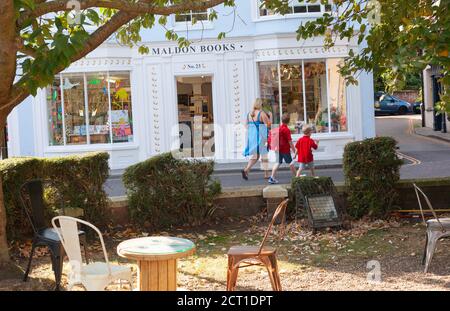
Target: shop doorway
[{"x": 195, "y": 116}]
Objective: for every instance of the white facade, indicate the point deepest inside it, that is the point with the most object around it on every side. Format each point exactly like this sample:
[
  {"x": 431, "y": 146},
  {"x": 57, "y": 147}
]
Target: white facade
[{"x": 232, "y": 66}]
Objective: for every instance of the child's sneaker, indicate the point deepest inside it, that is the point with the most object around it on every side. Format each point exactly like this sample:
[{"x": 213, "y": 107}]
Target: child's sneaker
[{"x": 272, "y": 181}]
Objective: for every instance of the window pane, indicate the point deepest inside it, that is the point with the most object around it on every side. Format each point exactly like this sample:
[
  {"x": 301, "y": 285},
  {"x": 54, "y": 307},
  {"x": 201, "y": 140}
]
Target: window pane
[
  {"x": 338, "y": 103},
  {"x": 292, "y": 94},
  {"x": 299, "y": 9},
  {"x": 200, "y": 16},
  {"x": 98, "y": 106},
  {"x": 74, "y": 112},
  {"x": 121, "y": 114},
  {"x": 316, "y": 96},
  {"x": 182, "y": 18},
  {"x": 268, "y": 85},
  {"x": 314, "y": 8},
  {"x": 55, "y": 120}
]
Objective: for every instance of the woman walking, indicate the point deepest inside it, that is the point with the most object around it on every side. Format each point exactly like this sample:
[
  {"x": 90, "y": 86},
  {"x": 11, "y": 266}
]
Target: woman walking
[{"x": 257, "y": 127}]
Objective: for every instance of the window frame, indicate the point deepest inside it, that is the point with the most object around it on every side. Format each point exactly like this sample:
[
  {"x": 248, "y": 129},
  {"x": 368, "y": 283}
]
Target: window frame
[
  {"x": 257, "y": 17},
  {"x": 88, "y": 145},
  {"x": 187, "y": 25},
  {"x": 302, "y": 61}
]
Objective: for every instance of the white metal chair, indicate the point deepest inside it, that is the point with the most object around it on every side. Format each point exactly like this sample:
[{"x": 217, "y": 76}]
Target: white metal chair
[
  {"x": 437, "y": 228},
  {"x": 93, "y": 276}
]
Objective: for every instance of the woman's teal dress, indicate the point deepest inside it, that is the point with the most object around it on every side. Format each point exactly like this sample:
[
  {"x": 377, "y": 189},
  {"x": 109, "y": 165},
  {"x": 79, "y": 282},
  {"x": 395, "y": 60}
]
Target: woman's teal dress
[{"x": 257, "y": 137}]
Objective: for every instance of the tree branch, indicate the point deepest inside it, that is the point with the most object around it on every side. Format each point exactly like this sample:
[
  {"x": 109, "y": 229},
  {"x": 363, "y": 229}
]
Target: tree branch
[
  {"x": 19, "y": 92},
  {"x": 141, "y": 7},
  {"x": 24, "y": 49}
]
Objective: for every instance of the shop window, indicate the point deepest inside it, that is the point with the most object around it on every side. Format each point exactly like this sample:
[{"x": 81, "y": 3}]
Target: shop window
[
  {"x": 292, "y": 93},
  {"x": 121, "y": 116},
  {"x": 74, "y": 109},
  {"x": 98, "y": 106},
  {"x": 296, "y": 7},
  {"x": 337, "y": 95},
  {"x": 55, "y": 113},
  {"x": 270, "y": 92},
  {"x": 307, "y": 94},
  {"x": 91, "y": 108},
  {"x": 316, "y": 102}
]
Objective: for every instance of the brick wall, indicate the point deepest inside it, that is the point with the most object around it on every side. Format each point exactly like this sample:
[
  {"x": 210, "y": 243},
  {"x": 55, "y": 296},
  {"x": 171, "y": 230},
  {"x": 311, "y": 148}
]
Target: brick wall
[{"x": 408, "y": 95}]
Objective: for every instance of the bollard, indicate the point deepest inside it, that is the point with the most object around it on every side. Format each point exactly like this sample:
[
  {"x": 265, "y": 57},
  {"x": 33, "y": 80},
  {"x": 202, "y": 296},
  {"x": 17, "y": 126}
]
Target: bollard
[{"x": 274, "y": 195}]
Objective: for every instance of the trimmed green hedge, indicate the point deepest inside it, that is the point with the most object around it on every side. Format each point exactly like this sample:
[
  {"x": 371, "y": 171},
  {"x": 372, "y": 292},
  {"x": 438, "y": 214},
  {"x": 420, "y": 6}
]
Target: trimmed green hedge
[
  {"x": 371, "y": 169},
  {"x": 79, "y": 181},
  {"x": 164, "y": 191}
]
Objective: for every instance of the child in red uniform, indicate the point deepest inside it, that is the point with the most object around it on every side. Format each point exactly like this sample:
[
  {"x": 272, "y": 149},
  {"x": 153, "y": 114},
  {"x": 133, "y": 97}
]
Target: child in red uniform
[
  {"x": 304, "y": 148},
  {"x": 280, "y": 141}
]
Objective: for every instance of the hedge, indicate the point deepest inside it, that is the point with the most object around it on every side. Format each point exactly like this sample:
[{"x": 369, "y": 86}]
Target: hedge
[
  {"x": 371, "y": 169},
  {"x": 164, "y": 191},
  {"x": 79, "y": 182}
]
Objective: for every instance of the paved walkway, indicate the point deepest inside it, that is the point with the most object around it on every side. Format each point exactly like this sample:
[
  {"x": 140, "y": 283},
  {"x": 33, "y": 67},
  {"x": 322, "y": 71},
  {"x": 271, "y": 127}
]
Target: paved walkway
[
  {"x": 428, "y": 132},
  {"x": 425, "y": 155}
]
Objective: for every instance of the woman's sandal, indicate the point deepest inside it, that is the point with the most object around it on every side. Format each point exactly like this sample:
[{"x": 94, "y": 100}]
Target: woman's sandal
[{"x": 244, "y": 175}]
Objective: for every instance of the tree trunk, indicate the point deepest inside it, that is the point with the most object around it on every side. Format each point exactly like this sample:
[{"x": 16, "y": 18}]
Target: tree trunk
[
  {"x": 4, "y": 254},
  {"x": 8, "y": 51},
  {"x": 8, "y": 269}
]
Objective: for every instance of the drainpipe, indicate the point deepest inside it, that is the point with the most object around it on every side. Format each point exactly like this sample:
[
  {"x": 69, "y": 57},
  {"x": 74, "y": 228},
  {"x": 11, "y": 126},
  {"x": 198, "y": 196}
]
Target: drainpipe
[
  {"x": 422, "y": 110},
  {"x": 444, "y": 123}
]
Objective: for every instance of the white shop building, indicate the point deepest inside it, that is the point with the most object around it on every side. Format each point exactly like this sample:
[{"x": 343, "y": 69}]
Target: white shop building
[{"x": 135, "y": 106}]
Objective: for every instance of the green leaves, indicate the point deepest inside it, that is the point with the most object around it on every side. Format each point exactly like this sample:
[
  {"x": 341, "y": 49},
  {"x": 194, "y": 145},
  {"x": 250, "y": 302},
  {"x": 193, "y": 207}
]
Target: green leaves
[{"x": 405, "y": 37}]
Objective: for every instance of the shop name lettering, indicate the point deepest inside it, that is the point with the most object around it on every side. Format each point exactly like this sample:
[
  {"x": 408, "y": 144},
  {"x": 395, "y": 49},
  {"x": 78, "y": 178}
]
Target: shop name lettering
[{"x": 210, "y": 48}]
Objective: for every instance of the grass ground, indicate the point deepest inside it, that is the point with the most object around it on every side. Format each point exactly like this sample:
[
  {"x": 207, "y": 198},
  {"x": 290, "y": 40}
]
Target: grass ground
[{"x": 329, "y": 260}]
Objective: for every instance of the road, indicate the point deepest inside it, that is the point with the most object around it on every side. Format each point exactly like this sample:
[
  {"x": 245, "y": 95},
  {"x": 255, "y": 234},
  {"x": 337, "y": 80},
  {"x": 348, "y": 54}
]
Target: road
[
  {"x": 426, "y": 157},
  {"x": 431, "y": 157}
]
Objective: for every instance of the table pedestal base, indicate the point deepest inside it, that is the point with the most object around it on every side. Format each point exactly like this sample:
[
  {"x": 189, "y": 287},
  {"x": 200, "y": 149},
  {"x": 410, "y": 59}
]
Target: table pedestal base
[{"x": 158, "y": 275}]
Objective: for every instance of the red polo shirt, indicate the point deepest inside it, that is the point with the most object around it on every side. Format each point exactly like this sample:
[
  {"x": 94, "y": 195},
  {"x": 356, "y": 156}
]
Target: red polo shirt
[
  {"x": 279, "y": 139},
  {"x": 304, "y": 148}
]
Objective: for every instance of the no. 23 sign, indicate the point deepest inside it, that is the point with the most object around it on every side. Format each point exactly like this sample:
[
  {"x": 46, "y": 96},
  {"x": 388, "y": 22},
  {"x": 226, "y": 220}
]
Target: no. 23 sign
[{"x": 193, "y": 66}]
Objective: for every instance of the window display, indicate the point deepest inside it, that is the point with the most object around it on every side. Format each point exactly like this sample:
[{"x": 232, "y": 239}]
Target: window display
[
  {"x": 336, "y": 89},
  {"x": 316, "y": 101},
  {"x": 55, "y": 113},
  {"x": 74, "y": 109},
  {"x": 306, "y": 93},
  {"x": 121, "y": 116},
  {"x": 270, "y": 92},
  {"x": 92, "y": 108},
  {"x": 98, "y": 105}
]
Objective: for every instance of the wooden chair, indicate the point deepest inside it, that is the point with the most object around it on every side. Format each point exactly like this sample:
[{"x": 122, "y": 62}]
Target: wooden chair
[{"x": 257, "y": 255}]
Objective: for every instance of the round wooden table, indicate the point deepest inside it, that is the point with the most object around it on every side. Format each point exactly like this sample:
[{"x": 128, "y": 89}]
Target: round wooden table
[{"x": 156, "y": 257}]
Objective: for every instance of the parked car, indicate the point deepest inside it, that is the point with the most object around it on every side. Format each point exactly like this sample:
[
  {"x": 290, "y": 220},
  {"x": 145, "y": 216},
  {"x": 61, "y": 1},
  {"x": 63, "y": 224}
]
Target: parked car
[
  {"x": 417, "y": 107},
  {"x": 389, "y": 104}
]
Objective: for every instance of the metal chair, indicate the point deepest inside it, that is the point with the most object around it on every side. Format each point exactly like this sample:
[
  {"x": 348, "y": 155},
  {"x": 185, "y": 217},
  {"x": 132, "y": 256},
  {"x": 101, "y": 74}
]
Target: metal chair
[
  {"x": 32, "y": 198},
  {"x": 257, "y": 255},
  {"x": 93, "y": 276},
  {"x": 437, "y": 228}
]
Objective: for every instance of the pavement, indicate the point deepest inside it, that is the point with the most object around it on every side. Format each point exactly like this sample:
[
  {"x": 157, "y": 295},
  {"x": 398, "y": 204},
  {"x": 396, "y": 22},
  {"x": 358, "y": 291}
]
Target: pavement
[
  {"x": 426, "y": 154},
  {"x": 428, "y": 132}
]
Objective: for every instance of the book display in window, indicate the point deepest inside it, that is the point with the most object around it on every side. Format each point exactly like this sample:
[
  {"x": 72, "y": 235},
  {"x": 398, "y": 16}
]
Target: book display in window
[
  {"x": 55, "y": 114},
  {"x": 98, "y": 105},
  {"x": 121, "y": 113}
]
